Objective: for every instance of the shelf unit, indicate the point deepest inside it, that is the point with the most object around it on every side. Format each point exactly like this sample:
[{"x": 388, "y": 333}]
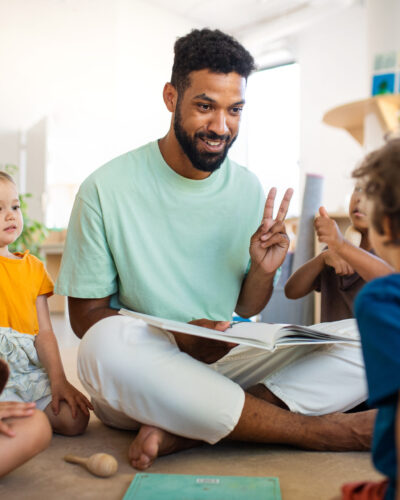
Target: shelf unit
[{"x": 351, "y": 116}]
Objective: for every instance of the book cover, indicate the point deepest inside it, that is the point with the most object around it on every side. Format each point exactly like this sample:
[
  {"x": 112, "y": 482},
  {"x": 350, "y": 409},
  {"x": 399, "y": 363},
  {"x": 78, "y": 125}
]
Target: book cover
[{"x": 192, "y": 487}]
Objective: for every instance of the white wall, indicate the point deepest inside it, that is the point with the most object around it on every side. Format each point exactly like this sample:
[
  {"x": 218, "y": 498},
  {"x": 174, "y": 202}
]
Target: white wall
[
  {"x": 9, "y": 148},
  {"x": 334, "y": 70},
  {"x": 123, "y": 108},
  {"x": 96, "y": 70}
]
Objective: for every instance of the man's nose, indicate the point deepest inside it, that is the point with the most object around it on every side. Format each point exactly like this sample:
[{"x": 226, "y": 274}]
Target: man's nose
[{"x": 218, "y": 124}]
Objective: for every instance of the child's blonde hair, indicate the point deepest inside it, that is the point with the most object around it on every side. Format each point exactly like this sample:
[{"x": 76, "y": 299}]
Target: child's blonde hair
[
  {"x": 6, "y": 177},
  {"x": 381, "y": 172}
]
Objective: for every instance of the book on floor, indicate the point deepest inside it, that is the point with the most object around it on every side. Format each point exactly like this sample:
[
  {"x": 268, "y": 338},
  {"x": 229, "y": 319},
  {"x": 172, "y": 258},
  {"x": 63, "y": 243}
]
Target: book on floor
[
  {"x": 269, "y": 336},
  {"x": 193, "y": 487}
]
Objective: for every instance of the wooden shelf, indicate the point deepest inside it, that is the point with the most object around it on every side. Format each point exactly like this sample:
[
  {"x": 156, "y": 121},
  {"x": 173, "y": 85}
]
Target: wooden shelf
[
  {"x": 351, "y": 116},
  {"x": 52, "y": 250}
]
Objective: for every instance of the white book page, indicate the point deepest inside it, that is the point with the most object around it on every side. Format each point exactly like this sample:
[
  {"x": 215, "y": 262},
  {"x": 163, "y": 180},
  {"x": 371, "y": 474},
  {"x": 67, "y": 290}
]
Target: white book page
[
  {"x": 255, "y": 337},
  {"x": 261, "y": 335},
  {"x": 263, "y": 332}
]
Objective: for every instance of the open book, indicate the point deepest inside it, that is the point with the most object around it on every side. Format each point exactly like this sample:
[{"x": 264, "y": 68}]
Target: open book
[{"x": 269, "y": 336}]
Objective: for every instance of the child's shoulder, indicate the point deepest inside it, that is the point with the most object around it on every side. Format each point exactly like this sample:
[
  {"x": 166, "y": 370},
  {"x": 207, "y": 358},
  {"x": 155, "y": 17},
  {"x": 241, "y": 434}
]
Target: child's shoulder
[
  {"x": 384, "y": 289},
  {"x": 33, "y": 261},
  {"x": 388, "y": 284}
]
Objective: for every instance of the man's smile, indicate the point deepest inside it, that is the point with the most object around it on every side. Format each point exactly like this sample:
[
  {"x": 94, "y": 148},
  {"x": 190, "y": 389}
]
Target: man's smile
[{"x": 212, "y": 145}]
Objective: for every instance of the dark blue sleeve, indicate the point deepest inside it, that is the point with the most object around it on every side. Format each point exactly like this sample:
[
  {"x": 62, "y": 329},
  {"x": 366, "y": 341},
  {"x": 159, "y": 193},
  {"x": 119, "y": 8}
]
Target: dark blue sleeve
[{"x": 377, "y": 309}]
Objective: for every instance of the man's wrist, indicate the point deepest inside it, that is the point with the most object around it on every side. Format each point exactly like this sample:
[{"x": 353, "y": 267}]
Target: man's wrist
[{"x": 256, "y": 269}]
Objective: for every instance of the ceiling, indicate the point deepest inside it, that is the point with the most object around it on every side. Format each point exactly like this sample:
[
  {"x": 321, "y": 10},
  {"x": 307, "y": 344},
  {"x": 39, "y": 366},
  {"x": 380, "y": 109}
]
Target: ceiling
[
  {"x": 263, "y": 26},
  {"x": 239, "y": 16},
  {"x": 43, "y": 43}
]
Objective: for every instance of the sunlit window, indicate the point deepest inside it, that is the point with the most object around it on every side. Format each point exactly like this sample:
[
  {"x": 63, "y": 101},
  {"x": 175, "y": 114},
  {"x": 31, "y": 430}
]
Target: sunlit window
[{"x": 269, "y": 139}]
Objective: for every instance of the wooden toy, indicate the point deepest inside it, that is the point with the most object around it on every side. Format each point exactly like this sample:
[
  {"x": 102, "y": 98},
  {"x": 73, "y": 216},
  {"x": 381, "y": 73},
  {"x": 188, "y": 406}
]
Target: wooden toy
[{"x": 99, "y": 464}]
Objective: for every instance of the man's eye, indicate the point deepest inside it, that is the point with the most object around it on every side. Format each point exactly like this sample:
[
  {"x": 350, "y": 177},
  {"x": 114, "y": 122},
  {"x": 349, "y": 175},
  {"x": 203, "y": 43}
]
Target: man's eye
[
  {"x": 237, "y": 110},
  {"x": 204, "y": 107}
]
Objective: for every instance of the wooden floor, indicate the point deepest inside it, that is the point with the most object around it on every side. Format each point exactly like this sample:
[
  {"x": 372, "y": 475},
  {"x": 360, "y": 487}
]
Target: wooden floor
[{"x": 303, "y": 475}]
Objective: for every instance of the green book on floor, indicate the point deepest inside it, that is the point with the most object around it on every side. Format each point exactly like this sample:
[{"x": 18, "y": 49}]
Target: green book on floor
[{"x": 188, "y": 487}]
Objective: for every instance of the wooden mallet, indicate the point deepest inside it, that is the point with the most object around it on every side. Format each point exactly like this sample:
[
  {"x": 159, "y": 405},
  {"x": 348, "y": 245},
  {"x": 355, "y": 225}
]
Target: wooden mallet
[{"x": 99, "y": 464}]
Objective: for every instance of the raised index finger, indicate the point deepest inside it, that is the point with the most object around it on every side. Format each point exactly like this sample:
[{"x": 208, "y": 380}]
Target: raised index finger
[
  {"x": 284, "y": 206},
  {"x": 269, "y": 204}
]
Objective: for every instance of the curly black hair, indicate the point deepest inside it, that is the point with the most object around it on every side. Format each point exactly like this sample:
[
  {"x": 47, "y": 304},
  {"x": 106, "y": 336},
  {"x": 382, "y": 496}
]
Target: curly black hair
[
  {"x": 381, "y": 172},
  {"x": 208, "y": 49}
]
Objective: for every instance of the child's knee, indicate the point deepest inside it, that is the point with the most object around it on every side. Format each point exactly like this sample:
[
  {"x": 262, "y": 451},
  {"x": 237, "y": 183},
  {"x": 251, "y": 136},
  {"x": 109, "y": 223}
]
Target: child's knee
[{"x": 41, "y": 430}]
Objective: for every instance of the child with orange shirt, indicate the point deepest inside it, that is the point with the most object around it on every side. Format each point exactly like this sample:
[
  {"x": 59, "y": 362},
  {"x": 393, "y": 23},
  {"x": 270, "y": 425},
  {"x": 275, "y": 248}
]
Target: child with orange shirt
[{"x": 27, "y": 340}]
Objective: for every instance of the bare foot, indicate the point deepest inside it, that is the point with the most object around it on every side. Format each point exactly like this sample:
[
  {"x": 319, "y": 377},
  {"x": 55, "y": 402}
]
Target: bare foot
[
  {"x": 152, "y": 442},
  {"x": 346, "y": 431}
]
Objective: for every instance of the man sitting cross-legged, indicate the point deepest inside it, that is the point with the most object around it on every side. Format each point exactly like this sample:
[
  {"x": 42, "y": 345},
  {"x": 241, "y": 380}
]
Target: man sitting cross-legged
[{"x": 177, "y": 230}]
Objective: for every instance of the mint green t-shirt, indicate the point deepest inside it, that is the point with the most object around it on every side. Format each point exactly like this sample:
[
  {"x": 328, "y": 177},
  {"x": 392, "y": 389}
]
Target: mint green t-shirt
[{"x": 163, "y": 244}]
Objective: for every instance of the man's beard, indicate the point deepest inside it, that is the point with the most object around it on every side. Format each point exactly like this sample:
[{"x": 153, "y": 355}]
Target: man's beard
[{"x": 205, "y": 161}]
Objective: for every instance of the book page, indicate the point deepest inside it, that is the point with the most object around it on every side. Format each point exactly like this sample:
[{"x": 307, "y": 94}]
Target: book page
[
  {"x": 255, "y": 337},
  {"x": 263, "y": 332},
  {"x": 261, "y": 335}
]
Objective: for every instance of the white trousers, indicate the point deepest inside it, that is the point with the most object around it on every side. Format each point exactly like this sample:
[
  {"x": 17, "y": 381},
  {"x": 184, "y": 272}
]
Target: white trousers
[{"x": 135, "y": 374}]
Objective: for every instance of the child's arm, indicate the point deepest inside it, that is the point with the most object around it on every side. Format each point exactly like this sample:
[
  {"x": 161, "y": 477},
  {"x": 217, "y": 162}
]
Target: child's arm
[
  {"x": 303, "y": 281},
  {"x": 368, "y": 266},
  {"x": 49, "y": 356}
]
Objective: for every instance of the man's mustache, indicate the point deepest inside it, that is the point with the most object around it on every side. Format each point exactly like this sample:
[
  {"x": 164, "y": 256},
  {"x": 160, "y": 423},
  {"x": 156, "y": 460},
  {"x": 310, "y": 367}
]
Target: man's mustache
[{"x": 212, "y": 136}]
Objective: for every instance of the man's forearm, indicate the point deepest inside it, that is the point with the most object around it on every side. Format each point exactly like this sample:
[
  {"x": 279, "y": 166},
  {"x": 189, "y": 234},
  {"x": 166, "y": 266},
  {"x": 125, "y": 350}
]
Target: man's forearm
[
  {"x": 256, "y": 291},
  {"x": 83, "y": 314}
]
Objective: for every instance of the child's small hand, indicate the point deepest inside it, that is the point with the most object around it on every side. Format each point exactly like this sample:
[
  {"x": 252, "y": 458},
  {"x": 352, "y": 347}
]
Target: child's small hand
[
  {"x": 10, "y": 409},
  {"x": 327, "y": 230},
  {"x": 341, "y": 267},
  {"x": 64, "y": 391}
]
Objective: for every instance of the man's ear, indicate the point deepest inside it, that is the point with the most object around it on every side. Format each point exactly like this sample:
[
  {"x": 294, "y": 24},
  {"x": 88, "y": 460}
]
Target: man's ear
[{"x": 170, "y": 96}]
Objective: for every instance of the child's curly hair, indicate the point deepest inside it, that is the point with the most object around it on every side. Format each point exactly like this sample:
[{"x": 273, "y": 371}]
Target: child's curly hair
[{"x": 381, "y": 172}]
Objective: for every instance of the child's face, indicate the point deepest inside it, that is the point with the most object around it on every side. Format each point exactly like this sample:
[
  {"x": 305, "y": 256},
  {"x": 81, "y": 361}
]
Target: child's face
[
  {"x": 358, "y": 208},
  {"x": 11, "y": 222}
]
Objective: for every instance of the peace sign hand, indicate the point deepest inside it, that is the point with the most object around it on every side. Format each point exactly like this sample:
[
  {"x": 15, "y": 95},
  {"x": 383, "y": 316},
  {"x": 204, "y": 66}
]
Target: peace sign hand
[{"x": 270, "y": 243}]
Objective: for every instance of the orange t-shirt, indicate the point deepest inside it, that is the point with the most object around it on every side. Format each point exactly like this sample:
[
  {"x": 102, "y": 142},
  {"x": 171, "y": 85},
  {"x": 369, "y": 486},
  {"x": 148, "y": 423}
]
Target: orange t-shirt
[{"x": 21, "y": 282}]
